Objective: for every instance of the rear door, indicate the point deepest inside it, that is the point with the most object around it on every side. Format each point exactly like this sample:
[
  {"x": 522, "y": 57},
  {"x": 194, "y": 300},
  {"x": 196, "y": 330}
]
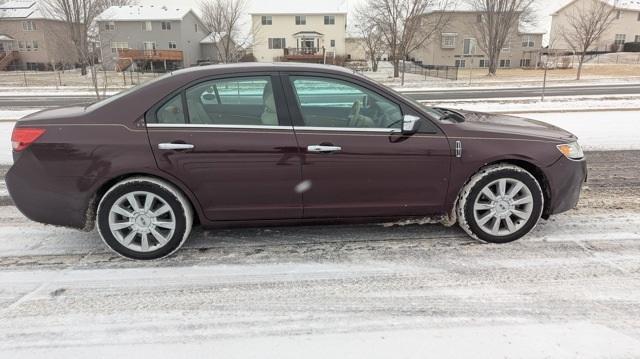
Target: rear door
[
  {"x": 355, "y": 161},
  {"x": 230, "y": 140}
]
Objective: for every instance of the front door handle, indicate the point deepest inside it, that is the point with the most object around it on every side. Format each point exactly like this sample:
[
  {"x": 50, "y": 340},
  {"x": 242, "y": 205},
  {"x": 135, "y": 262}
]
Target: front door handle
[
  {"x": 175, "y": 146},
  {"x": 323, "y": 149}
]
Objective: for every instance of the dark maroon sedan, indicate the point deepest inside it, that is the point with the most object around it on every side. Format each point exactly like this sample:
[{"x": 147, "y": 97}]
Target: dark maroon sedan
[{"x": 265, "y": 144}]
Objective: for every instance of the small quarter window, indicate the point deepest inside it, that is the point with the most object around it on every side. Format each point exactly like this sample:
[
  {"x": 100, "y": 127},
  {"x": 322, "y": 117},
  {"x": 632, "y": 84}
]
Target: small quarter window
[{"x": 172, "y": 111}]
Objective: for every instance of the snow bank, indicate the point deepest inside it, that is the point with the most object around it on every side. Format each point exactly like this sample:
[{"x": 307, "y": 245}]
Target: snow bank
[
  {"x": 553, "y": 104},
  {"x": 16, "y": 114},
  {"x": 6, "y": 156},
  {"x": 598, "y": 131}
]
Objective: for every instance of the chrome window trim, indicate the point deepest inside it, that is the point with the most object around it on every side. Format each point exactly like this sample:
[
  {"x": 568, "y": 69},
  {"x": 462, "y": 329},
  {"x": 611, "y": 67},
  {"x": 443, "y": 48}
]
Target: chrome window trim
[
  {"x": 346, "y": 129},
  {"x": 253, "y": 127},
  {"x": 193, "y": 125}
]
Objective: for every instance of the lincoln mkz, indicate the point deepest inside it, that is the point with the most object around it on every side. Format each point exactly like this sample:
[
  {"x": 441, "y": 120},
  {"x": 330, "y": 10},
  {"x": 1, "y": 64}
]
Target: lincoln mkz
[{"x": 279, "y": 144}]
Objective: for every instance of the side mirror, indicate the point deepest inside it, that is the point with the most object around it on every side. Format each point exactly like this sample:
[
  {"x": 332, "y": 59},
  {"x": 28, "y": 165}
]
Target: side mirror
[{"x": 410, "y": 124}]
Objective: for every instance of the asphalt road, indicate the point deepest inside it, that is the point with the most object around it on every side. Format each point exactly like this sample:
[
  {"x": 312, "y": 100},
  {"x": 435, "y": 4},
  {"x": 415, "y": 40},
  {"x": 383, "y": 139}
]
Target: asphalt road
[
  {"x": 571, "y": 289},
  {"x": 463, "y": 94}
]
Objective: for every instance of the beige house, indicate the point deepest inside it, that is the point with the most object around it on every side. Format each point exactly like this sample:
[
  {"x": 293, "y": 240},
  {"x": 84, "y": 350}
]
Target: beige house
[
  {"x": 303, "y": 32},
  {"x": 625, "y": 26},
  {"x": 31, "y": 40},
  {"x": 457, "y": 44}
]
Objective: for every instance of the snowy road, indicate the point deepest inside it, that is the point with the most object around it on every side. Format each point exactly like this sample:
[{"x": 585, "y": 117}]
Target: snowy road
[{"x": 569, "y": 290}]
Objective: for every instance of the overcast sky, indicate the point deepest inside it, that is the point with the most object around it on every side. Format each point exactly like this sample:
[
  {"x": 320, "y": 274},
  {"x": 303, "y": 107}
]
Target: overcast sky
[{"x": 543, "y": 7}]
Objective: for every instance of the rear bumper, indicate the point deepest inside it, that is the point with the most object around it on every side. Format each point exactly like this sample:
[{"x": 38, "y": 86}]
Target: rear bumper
[
  {"x": 44, "y": 198},
  {"x": 566, "y": 178}
]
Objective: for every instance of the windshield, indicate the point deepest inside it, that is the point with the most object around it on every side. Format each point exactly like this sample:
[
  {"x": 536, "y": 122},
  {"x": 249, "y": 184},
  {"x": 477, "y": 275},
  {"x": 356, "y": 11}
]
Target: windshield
[{"x": 124, "y": 93}]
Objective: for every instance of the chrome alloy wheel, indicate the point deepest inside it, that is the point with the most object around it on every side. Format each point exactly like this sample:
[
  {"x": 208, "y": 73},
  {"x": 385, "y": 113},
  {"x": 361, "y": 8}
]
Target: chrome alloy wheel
[
  {"x": 503, "y": 207},
  {"x": 142, "y": 221}
]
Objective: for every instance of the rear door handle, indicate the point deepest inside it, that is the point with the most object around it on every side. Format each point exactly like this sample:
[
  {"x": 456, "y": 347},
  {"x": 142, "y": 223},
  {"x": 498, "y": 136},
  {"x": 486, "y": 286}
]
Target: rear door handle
[
  {"x": 175, "y": 146},
  {"x": 323, "y": 149}
]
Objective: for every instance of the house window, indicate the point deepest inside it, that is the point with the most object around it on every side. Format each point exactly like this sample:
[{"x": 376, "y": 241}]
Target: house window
[
  {"x": 301, "y": 20},
  {"x": 461, "y": 63},
  {"x": 505, "y": 63},
  {"x": 109, "y": 26},
  {"x": 479, "y": 18},
  {"x": 267, "y": 20},
  {"x": 639, "y": 16},
  {"x": 527, "y": 41},
  {"x": 618, "y": 14},
  {"x": 149, "y": 45},
  {"x": 620, "y": 39},
  {"x": 28, "y": 25},
  {"x": 21, "y": 45},
  {"x": 449, "y": 40},
  {"x": 525, "y": 63},
  {"x": 118, "y": 45},
  {"x": 637, "y": 38},
  {"x": 277, "y": 43},
  {"x": 329, "y": 20},
  {"x": 469, "y": 46},
  {"x": 35, "y": 45},
  {"x": 196, "y": 27},
  {"x": 484, "y": 63},
  {"x": 146, "y": 26},
  {"x": 166, "y": 25},
  {"x": 333, "y": 43},
  {"x": 173, "y": 45},
  {"x": 507, "y": 46}
]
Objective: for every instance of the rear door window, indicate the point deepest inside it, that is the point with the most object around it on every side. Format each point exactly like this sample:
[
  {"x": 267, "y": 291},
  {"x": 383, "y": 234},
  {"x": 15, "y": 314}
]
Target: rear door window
[{"x": 233, "y": 101}]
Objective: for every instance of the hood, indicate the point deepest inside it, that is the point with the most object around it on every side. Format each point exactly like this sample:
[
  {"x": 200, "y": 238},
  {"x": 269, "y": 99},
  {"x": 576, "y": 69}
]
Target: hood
[{"x": 505, "y": 124}]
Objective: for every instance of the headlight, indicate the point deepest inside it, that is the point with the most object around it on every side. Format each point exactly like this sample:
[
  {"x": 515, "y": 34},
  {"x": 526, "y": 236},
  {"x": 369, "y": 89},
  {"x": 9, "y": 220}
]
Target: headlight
[{"x": 572, "y": 151}]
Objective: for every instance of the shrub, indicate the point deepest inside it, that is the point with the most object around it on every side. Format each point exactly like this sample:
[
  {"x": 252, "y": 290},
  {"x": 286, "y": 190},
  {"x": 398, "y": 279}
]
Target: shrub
[{"x": 632, "y": 47}]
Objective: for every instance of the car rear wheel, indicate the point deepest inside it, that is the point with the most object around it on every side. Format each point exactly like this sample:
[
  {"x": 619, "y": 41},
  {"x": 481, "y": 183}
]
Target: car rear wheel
[
  {"x": 500, "y": 204},
  {"x": 144, "y": 218}
]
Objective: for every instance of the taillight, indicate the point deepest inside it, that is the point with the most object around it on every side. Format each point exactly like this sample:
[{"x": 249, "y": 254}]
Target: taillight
[{"x": 23, "y": 137}]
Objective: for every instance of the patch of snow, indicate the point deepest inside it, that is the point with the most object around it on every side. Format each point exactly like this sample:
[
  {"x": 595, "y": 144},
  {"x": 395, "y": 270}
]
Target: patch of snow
[
  {"x": 6, "y": 152},
  {"x": 551, "y": 104},
  {"x": 598, "y": 131},
  {"x": 12, "y": 115}
]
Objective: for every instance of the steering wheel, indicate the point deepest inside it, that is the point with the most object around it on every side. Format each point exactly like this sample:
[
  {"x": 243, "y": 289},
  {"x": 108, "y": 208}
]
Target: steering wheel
[{"x": 355, "y": 114}]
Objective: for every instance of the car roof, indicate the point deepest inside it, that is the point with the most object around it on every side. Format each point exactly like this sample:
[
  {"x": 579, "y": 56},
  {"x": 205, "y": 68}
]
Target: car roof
[{"x": 262, "y": 66}]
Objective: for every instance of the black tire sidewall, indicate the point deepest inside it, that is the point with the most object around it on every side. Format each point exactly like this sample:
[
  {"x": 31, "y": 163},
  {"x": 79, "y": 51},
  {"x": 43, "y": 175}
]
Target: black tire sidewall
[
  {"x": 120, "y": 190},
  {"x": 538, "y": 203}
]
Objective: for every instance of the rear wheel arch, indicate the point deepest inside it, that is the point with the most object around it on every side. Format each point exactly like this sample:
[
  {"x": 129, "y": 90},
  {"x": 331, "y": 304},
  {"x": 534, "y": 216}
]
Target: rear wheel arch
[{"x": 107, "y": 185}]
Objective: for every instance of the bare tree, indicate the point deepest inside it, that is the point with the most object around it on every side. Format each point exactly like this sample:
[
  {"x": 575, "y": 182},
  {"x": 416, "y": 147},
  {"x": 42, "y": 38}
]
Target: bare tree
[
  {"x": 370, "y": 35},
  {"x": 497, "y": 19},
  {"x": 405, "y": 27},
  {"x": 585, "y": 26},
  {"x": 223, "y": 18},
  {"x": 79, "y": 16}
]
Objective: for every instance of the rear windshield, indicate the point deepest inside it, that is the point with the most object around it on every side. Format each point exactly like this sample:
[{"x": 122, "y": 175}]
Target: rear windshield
[{"x": 124, "y": 93}]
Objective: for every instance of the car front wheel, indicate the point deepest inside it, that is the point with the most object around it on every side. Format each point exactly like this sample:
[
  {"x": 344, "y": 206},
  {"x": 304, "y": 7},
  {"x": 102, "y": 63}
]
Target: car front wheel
[
  {"x": 144, "y": 218},
  {"x": 500, "y": 204}
]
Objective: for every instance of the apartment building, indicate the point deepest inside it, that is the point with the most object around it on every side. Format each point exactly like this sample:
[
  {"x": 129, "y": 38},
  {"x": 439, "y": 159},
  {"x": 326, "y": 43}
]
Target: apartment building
[
  {"x": 32, "y": 40},
  {"x": 305, "y": 32},
  {"x": 624, "y": 28},
  {"x": 150, "y": 37},
  {"x": 457, "y": 44}
]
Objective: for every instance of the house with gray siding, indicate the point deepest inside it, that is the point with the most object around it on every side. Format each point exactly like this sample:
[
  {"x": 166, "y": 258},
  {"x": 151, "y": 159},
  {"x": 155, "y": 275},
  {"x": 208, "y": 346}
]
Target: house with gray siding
[{"x": 150, "y": 37}]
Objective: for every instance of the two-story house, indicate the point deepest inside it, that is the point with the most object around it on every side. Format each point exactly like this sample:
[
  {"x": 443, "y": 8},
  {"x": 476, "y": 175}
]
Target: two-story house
[
  {"x": 624, "y": 28},
  {"x": 305, "y": 32},
  {"x": 150, "y": 37},
  {"x": 32, "y": 40},
  {"x": 457, "y": 43}
]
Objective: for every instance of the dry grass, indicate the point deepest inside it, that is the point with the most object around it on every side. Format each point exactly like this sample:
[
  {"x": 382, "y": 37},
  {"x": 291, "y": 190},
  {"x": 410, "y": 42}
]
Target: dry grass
[{"x": 71, "y": 78}]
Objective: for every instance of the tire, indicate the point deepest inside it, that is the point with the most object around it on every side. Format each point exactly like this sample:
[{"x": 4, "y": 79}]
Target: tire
[
  {"x": 501, "y": 196},
  {"x": 156, "y": 226}
]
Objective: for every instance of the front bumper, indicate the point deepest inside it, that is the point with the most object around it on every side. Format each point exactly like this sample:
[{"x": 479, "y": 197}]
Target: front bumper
[{"x": 566, "y": 178}]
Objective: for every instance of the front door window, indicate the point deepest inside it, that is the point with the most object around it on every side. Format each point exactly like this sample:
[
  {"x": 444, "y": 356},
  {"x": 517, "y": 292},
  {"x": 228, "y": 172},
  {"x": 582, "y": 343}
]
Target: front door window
[{"x": 327, "y": 102}]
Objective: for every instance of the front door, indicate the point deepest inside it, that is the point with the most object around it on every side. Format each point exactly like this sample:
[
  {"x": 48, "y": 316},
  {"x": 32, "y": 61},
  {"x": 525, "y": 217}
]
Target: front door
[
  {"x": 235, "y": 149},
  {"x": 355, "y": 162}
]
